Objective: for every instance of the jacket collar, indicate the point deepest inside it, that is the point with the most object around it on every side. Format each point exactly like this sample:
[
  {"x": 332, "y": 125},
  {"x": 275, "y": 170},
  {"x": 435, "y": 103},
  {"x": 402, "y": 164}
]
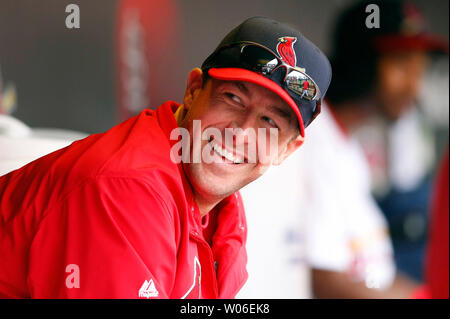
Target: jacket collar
[{"x": 228, "y": 241}]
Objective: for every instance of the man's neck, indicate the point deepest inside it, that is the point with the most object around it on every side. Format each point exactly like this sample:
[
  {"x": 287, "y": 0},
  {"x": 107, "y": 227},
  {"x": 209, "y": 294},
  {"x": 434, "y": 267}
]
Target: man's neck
[
  {"x": 205, "y": 206},
  {"x": 180, "y": 114}
]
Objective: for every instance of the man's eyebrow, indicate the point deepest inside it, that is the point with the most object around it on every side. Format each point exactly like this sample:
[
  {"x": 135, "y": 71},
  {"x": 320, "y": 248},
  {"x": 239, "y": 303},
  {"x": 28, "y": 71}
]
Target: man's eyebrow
[
  {"x": 242, "y": 87},
  {"x": 281, "y": 112},
  {"x": 273, "y": 108}
]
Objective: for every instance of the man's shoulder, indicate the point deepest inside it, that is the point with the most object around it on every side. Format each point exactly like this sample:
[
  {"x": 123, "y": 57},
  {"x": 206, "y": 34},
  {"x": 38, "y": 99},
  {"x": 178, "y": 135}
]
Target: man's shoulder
[
  {"x": 137, "y": 147},
  {"x": 152, "y": 185},
  {"x": 137, "y": 144}
]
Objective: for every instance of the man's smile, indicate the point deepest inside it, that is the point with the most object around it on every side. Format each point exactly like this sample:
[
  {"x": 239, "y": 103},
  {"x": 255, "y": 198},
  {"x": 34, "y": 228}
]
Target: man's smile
[{"x": 226, "y": 154}]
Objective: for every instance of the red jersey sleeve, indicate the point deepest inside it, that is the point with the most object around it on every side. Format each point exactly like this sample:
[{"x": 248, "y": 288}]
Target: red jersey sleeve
[{"x": 111, "y": 237}]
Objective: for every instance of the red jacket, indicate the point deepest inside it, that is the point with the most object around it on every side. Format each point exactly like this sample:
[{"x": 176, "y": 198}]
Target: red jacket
[
  {"x": 437, "y": 267},
  {"x": 111, "y": 216}
]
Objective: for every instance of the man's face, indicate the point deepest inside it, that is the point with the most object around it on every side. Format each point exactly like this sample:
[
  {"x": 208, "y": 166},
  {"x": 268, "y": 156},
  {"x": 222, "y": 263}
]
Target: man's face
[
  {"x": 252, "y": 111},
  {"x": 399, "y": 79}
]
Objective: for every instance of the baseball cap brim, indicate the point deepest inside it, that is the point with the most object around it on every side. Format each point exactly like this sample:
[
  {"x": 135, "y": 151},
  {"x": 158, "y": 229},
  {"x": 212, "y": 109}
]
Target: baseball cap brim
[
  {"x": 237, "y": 74},
  {"x": 422, "y": 42}
]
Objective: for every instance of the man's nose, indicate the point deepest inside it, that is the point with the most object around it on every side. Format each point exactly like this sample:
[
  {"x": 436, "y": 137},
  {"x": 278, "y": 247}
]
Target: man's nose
[{"x": 244, "y": 129}]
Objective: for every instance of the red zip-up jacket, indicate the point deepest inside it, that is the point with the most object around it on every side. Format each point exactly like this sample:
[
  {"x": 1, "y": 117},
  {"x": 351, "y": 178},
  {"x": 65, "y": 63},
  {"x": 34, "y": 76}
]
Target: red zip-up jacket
[{"x": 111, "y": 216}]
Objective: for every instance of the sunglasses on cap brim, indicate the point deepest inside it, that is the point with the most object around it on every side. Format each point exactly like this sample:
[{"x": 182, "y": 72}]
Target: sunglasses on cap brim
[{"x": 257, "y": 58}]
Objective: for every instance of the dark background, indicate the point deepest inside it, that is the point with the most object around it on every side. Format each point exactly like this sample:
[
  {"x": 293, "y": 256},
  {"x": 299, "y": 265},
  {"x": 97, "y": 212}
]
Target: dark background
[{"x": 65, "y": 78}]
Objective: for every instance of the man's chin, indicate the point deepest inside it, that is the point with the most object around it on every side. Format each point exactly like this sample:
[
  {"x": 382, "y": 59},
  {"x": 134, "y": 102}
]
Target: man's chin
[
  {"x": 219, "y": 180},
  {"x": 216, "y": 179}
]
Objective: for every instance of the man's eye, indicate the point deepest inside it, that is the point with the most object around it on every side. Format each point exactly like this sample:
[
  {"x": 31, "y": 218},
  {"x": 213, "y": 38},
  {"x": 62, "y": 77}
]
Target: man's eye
[
  {"x": 235, "y": 98},
  {"x": 270, "y": 121}
]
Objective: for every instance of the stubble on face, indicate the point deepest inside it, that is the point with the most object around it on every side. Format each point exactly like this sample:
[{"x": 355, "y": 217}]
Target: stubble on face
[{"x": 215, "y": 109}]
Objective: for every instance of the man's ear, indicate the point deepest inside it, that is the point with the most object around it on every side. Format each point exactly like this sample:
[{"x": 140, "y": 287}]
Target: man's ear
[
  {"x": 293, "y": 145},
  {"x": 193, "y": 87}
]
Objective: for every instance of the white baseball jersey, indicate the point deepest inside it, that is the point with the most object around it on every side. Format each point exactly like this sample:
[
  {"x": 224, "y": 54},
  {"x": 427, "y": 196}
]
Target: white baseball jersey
[{"x": 315, "y": 210}]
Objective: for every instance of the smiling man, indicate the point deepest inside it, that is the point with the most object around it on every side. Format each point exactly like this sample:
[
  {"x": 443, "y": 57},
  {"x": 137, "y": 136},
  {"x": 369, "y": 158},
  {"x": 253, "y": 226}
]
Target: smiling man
[
  {"x": 250, "y": 116},
  {"x": 115, "y": 215}
]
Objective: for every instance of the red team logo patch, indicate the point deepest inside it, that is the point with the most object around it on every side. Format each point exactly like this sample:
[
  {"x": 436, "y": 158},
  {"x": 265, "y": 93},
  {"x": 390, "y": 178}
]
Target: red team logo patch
[{"x": 285, "y": 49}]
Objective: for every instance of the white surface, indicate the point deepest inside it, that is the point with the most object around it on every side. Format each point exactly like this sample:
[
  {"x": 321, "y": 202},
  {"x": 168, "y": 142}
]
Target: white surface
[
  {"x": 315, "y": 209},
  {"x": 275, "y": 235},
  {"x": 346, "y": 230},
  {"x": 19, "y": 145}
]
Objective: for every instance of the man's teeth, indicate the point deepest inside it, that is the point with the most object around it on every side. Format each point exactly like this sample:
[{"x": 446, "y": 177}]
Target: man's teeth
[{"x": 223, "y": 152}]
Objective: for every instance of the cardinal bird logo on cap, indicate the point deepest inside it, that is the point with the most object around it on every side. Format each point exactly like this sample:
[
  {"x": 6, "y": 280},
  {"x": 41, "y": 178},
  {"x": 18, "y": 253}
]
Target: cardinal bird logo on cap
[{"x": 285, "y": 49}]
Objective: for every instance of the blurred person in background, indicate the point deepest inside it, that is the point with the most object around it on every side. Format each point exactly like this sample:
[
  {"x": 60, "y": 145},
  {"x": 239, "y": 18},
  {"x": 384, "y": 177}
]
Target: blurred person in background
[
  {"x": 330, "y": 218},
  {"x": 379, "y": 73},
  {"x": 404, "y": 139}
]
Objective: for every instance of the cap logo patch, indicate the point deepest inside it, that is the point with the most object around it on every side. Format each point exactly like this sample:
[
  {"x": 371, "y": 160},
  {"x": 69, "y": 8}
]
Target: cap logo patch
[{"x": 285, "y": 49}]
